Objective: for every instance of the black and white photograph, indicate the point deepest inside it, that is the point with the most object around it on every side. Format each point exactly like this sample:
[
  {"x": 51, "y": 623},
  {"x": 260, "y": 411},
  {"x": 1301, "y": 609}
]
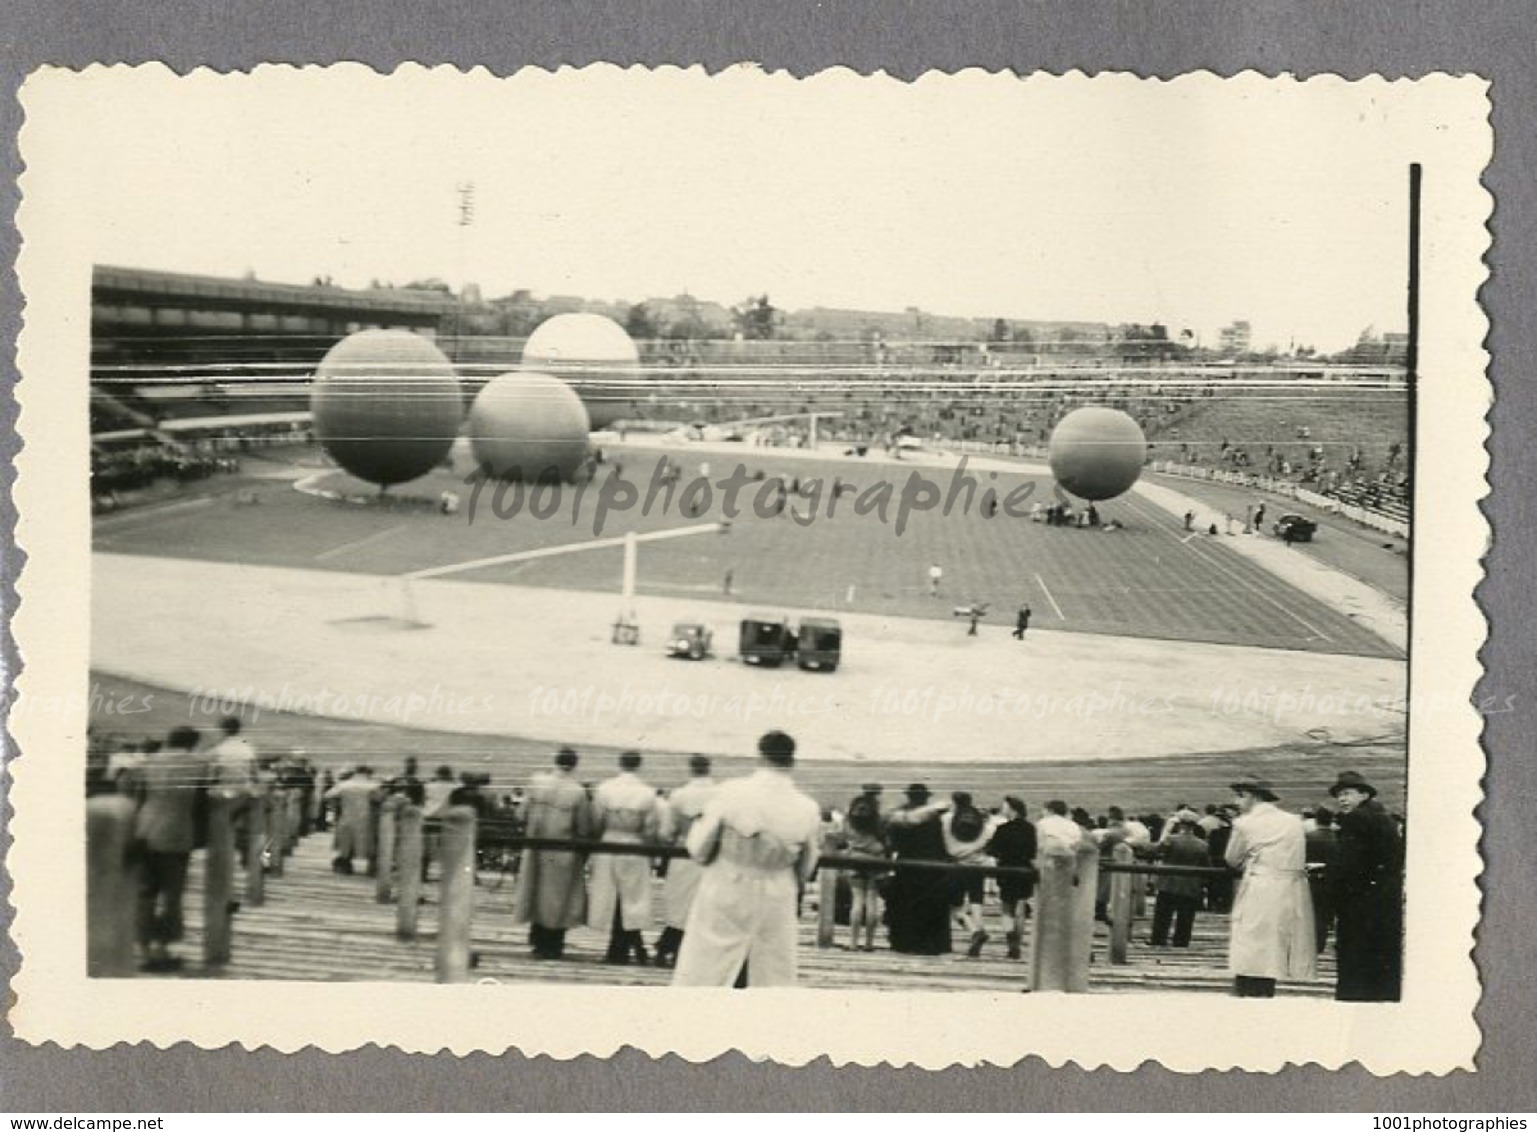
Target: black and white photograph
[{"x": 514, "y": 559}]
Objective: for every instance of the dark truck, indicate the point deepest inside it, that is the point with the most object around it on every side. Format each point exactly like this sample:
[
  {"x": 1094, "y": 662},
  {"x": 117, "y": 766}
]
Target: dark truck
[
  {"x": 765, "y": 642},
  {"x": 1295, "y": 528},
  {"x": 821, "y": 644}
]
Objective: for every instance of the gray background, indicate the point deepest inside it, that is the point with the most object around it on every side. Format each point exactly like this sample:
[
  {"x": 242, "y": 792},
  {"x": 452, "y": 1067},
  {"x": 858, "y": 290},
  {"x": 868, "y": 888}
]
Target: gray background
[{"x": 1396, "y": 39}]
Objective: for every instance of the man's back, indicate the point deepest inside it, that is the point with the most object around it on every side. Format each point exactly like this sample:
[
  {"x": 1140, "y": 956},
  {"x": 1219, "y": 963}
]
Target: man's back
[
  {"x": 556, "y": 806},
  {"x": 1183, "y": 849},
  {"x": 625, "y": 806},
  {"x": 170, "y": 779},
  {"x": 767, "y": 802},
  {"x": 233, "y": 764},
  {"x": 1268, "y": 837}
]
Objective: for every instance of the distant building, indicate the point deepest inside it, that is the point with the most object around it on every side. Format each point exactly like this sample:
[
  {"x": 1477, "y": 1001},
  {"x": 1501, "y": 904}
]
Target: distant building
[{"x": 1234, "y": 339}]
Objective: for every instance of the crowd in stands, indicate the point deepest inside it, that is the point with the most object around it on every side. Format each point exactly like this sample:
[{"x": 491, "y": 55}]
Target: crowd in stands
[
  {"x": 120, "y": 469},
  {"x": 117, "y": 472},
  {"x": 919, "y": 909}
]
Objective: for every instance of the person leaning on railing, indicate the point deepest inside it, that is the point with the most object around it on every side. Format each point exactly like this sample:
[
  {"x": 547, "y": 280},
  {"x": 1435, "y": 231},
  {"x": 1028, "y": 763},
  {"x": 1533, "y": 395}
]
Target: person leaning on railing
[{"x": 757, "y": 841}]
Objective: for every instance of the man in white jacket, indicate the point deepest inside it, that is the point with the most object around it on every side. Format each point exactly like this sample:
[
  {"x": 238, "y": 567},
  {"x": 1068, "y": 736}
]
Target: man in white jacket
[
  {"x": 625, "y": 810},
  {"x": 683, "y": 808},
  {"x": 757, "y": 841},
  {"x": 1272, "y": 925}
]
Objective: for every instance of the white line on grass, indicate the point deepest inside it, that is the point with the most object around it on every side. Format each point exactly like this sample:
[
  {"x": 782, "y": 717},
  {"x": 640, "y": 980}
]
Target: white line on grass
[
  {"x": 552, "y": 551},
  {"x": 358, "y": 543},
  {"x": 1040, "y": 581},
  {"x": 121, "y": 519},
  {"x": 1239, "y": 578}
]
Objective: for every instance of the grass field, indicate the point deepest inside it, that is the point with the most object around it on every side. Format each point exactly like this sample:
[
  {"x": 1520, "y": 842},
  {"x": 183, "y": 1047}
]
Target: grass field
[{"x": 1149, "y": 579}]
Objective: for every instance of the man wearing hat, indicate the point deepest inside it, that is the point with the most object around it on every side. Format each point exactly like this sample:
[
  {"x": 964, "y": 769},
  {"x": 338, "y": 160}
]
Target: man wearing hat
[
  {"x": 678, "y": 816},
  {"x": 1367, "y": 883},
  {"x": 552, "y": 896},
  {"x": 757, "y": 843},
  {"x": 1272, "y": 924}
]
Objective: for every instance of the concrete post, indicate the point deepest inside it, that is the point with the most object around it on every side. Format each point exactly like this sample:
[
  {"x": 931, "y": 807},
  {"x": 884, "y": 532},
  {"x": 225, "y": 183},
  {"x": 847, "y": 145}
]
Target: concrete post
[
  {"x": 218, "y": 881},
  {"x": 295, "y": 820},
  {"x": 384, "y": 879},
  {"x": 1120, "y": 910},
  {"x": 256, "y": 843},
  {"x": 827, "y": 906},
  {"x": 111, "y": 887},
  {"x": 409, "y": 863},
  {"x": 1051, "y": 926},
  {"x": 456, "y": 895},
  {"x": 277, "y": 829},
  {"x": 1082, "y": 948}
]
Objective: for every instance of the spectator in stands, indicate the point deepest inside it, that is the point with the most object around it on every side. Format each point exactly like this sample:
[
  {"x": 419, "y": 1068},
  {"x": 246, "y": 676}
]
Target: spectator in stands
[
  {"x": 551, "y": 896},
  {"x": 1056, "y": 833},
  {"x": 1368, "y": 890},
  {"x": 865, "y": 836},
  {"x": 918, "y": 906},
  {"x": 1322, "y": 852},
  {"x": 757, "y": 841},
  {"x": 233, "y": 761},
  {"x": 1138, "y": 835},
  {"x": 322, "y": 806},
  {"x": 1272, "y": 925},
  {"x": 163, "y": 830},
  {"x": 1013, "y": 845},
  {"x": 407, "y": 784},
  {"x": 1179, "y": 896},
  {"x": 624, "y": 810},
  {"x": 122, "y": 766},
  {"x": 436, "y": 793},
  {"x": 354, "y": 795},
  {"x": 678, "y": 816},
  {"x": 1219, "y": 890},
  {"x": 967, "y": 831},
  {"x": 233, "y": 769}
]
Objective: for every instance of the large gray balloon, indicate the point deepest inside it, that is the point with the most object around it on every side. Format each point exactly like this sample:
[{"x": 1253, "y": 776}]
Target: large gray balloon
[
  {"x": 596, "y": 354},
  {"x": 529, "y": 426},
  {"x": 1097, "y": 453},
  {"x": 386, "y": 405}
]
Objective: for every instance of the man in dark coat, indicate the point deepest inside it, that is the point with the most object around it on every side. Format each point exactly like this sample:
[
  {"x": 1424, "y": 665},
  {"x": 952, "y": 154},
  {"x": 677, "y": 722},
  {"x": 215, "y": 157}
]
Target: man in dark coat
[
  {"x": 1179, "y": 896},
  {"x": 1368, "y": 889},
  {"x": 918, "y": 905},
  {"x": 1322, "y": 853}
]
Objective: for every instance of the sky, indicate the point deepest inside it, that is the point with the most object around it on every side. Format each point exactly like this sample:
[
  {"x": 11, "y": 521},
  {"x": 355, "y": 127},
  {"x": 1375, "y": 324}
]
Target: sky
[{"x": 1192, "y": 202}]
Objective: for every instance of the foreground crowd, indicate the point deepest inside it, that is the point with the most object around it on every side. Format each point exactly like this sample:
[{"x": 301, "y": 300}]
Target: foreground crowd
[{"x": 731, "y": 906}]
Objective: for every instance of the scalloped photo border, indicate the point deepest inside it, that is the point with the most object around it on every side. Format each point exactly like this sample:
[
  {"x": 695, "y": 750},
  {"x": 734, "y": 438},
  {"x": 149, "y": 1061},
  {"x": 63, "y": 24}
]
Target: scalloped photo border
[{"x": 1441, "y": 121}]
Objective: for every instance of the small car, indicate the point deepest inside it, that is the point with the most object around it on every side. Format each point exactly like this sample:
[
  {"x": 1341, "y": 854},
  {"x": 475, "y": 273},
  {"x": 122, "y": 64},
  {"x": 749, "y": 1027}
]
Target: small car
[
  {"x": 1295, "y": 528},
  {"x": 820, "y": 644},
  {"x": 765, "y": 642},
  {"x": 689, "y": 640}
]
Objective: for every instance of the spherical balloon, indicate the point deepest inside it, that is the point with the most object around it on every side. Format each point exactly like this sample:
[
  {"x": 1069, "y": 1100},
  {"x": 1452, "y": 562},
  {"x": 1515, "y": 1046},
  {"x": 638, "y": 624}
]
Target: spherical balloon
[
  {"x": 529, "y": 426},
  {"x": 596, "y": 354},
  {"x": 1097, "y": 453},
  {"x": 386, "y": 405}
]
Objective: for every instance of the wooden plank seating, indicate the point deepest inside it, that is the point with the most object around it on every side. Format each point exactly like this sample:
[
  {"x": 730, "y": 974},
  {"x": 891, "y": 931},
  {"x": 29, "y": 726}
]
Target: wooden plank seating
[{"x": 318, "y": 926}]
